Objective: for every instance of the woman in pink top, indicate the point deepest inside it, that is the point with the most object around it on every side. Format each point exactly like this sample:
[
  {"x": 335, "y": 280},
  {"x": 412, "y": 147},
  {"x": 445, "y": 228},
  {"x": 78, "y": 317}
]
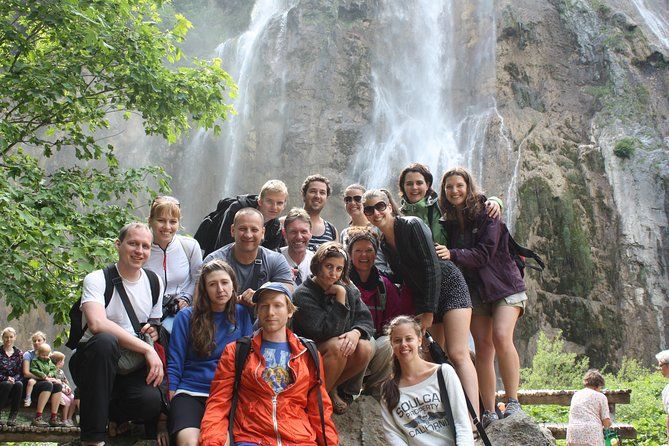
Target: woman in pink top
[{"x": 588, "y": 412}]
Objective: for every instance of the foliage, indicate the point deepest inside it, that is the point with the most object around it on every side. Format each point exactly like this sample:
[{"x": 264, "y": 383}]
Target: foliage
[
  {"x": 625, "y": 147},
  {"x": 553, "y": 368},
  {"x": 65, "y": 67}
]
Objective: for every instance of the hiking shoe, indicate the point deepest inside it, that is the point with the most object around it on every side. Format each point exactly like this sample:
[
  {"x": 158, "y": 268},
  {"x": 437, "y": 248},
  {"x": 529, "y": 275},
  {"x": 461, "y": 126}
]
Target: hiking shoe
[
  {"x": 513, "y": 406},
  {"x": 27, "y": 402},
  {"x": 68, "y": 423},
  {"x": 56, "y": 422},
  {"x": 487, "y": 418},
  {"x": 39, "y": 422}
]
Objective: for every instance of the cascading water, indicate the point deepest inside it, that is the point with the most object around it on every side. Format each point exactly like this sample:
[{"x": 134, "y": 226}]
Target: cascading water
[
  {"x": 654, "y": 19},
  {"x": 433, "y": 72}
]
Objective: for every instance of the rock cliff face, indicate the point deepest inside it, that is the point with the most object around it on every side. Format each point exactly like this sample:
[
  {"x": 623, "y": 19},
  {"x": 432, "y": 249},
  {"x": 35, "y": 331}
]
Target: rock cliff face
[{"x": 574, "y": 136}]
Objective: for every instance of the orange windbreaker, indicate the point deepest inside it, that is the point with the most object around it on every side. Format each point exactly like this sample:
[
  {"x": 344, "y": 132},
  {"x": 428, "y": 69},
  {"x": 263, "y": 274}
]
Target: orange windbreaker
[{"x": 288, "y": 418}]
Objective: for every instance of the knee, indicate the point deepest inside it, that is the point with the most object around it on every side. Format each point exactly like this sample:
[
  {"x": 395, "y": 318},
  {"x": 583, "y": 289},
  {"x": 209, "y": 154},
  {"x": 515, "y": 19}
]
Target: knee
[
  {"x": 103, "y": 344},
  {"x": 502, "y": 340},
  {"x": 330, "y": 349},
  {"x": 459, "y": 355},
  {"x": 151, "y": 402},
  {"x": 364, "y": 350}
]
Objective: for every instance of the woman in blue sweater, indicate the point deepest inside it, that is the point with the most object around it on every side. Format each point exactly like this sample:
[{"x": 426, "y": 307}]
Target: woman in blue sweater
[{"x": 199, "y": 335}]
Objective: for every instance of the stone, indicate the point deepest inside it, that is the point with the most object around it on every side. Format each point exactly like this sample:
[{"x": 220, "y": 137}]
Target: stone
[{"x": 518, "y": 430}]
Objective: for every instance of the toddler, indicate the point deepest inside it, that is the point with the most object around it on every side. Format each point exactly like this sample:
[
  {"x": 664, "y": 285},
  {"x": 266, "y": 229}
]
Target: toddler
[
  {"x": 67, "y": 399},
  {"x": 43, "y": 369}
]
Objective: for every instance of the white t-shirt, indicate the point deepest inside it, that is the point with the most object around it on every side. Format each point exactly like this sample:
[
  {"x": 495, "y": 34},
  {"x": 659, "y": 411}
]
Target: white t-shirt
[
  {"x": 139, "y": 295},
  {"x": 305, "y": 265},
  {"x": 665, "y": 398},
  {"x": 419, "y": 418}
]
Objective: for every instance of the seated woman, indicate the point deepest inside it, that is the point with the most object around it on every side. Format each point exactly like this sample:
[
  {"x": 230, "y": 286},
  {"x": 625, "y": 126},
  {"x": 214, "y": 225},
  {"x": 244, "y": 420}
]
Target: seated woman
[
  {"x": 11, "y": 385},
  {"x": 416, "y": 409},
  {"x": 331, "y": 313},
  {"x": 479, "y": 245},
  {"x": 199, "y": 336},
  {"x": 44, "y": 391},
  {"x": 440, "y": 296},
  {"x": 382, "y": 297},
  {"x": 588, "y": 412},
  {"x": 176, "y": 259}
]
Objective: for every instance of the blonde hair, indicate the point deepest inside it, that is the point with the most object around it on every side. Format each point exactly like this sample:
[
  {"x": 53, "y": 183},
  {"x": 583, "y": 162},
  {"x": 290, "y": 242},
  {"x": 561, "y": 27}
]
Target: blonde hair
[
  {"x": 56, "y": 357},
  {"x": 274, "y": 187},
  {"x": 8, "y": 330},
  {"x": 164, "y": 204},
  {"x": 38, "y": 334},
  {"x": 289, "y": 303},
  {"x": 43, "y": 348}
]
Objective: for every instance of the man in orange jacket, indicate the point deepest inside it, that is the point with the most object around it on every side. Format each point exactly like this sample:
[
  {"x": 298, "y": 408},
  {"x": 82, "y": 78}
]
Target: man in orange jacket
[{"x": 278, "y": 389}]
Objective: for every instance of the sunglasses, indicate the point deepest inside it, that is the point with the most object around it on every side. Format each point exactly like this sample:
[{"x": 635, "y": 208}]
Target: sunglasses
[
  {"x": 380, "y": 206},
  {"x": 356, "y": 198}
]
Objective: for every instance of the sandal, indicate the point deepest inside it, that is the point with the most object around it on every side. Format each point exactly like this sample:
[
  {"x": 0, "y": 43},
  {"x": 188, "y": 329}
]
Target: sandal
[{"x": 339, "y": 406}]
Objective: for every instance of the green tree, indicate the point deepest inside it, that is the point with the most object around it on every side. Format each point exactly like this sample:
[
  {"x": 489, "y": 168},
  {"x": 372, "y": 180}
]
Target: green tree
[{"x": 65, "y": 67}]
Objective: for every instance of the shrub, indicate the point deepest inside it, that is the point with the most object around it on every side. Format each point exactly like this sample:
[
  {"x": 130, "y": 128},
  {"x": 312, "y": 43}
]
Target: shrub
[{"x": 625, "y": 147}]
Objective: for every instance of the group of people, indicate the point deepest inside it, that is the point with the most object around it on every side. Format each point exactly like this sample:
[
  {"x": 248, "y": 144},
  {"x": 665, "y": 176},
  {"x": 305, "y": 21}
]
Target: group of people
[
  {"x": 364, "y": 295},
  {"x": 41, "y": 370}
]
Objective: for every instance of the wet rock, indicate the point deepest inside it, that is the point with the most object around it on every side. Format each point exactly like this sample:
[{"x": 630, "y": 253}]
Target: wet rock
[{"x": 518, "y": 430}]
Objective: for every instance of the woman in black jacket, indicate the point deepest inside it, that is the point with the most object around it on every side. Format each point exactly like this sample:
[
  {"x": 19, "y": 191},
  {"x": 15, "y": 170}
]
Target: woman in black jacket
[{"x": 440, "y": 296}]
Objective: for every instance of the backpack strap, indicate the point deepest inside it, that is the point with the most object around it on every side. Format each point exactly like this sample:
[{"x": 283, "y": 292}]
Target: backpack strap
[
  {"x": 155, "y": 285},
  {"x": 446, "y": 402},
  {"x": 514, "y": 247},
  {"x": 110, "y": 272},
  {"x": 189, "y": 251},
  {"x": 242, "y": 349},
  {"x": 257, "y": 270},
  {"x": 313, "y": 352},
  {"x": 430, "y": 216}
]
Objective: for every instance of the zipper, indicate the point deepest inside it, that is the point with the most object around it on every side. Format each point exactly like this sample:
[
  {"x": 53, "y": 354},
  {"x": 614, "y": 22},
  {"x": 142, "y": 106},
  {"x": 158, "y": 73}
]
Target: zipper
[{"x": 275, "y": 421}]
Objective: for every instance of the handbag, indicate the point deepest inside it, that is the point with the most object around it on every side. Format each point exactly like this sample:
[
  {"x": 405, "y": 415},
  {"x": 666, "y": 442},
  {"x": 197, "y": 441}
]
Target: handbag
[
  {"x": 611, "y": 438},
  {"x": 130, "y": 361}
]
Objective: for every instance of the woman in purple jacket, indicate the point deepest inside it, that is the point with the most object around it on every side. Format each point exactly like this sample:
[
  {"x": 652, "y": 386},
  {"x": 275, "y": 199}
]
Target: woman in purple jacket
[{"x": 478, "y": 244}]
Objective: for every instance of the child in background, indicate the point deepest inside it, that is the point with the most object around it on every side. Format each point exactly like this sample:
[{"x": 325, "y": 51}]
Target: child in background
[
  {"x": 38, "y": 338},
  {"x": 67, "y": 399}
]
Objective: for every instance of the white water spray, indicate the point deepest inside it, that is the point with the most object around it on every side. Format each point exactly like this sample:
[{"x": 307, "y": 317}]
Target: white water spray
[{"x": 656, "y": 22}]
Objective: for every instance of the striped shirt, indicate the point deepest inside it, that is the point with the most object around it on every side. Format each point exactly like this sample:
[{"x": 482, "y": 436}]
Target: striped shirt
[{"x": 328, "y": 236}]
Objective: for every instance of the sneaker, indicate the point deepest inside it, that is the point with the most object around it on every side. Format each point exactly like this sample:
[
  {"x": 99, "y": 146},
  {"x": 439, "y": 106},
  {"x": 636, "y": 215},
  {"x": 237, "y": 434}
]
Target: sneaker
[
  {"x": 512, "y": 406},
  {"x": 39, "y": 422},
  {"x": 487, "y": 418},
  {"x": 27, "y": 402},
  {"x": 56, "y": 422},
  {"x": 68, "y": 423}
]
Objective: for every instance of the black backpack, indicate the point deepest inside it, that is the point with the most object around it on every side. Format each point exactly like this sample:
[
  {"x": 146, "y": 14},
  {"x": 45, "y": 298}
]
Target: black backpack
[
  {"x": 207, "y": 232},
  {"x": 520, "y": 254},
  {"x": 242, "y": 349},
  {"x": 77, "y": 329}
]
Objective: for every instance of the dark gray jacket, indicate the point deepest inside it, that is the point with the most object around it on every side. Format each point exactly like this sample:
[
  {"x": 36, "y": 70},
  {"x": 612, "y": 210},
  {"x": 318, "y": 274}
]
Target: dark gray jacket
[{"x": 319, "y": 317}]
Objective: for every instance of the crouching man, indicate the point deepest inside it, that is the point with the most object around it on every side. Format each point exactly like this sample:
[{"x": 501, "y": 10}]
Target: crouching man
[
  {"x": 106, "y": 393},
  {"x": 279, "y": 388}
]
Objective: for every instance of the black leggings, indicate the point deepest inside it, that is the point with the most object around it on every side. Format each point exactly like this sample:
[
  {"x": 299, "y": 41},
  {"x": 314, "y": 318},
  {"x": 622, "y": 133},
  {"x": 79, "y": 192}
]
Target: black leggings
[{"x": 11, "y": 392}]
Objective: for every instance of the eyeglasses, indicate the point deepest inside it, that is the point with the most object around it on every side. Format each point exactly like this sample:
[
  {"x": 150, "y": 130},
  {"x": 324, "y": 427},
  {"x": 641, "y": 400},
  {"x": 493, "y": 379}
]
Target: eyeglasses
[
  {"x": 380, "y": 206},
  {"x": 356, "y": 198}
]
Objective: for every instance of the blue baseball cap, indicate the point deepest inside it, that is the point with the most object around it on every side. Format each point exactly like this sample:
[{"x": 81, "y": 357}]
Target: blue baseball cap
[{"x": 274, "y": 286}]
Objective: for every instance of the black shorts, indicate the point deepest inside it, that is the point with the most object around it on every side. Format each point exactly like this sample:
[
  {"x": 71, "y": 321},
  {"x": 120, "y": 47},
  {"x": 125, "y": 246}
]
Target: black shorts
[
  {"x": 45, "y": 386},
  {"x": 185, "y": 411}
]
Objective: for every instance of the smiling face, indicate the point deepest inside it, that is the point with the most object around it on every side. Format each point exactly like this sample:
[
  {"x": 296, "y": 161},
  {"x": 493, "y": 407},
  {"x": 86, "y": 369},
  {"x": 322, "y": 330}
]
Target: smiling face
[
  {"x": 248, "y": 231},
  {"x": 353, "y": 202},
  {"x": 405, "y": 342},
  {"x": 315, "y": 196},
  {"x": 363, "y": 255},
  {"x": 272, "y": 204},
  {"x": 298, "y": 234},
  {"x": 219, "y": 289},
  {"x": 8, "y": 339},
  {"x": 164, "y": 227},
  {"x": 377, "y": 214},
  {"x": 272, "y": 311},
  {"x": 415, "y": 187},
  {"x": 135, "y": 248},
  {"x": 37, "y": 341},
  {"x": 330, "y": 271},
  {"x": 455, "y": 189}
]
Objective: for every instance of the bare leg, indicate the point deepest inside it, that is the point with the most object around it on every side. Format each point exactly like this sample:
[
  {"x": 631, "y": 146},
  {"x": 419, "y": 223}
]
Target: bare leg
[
  {"x": 357, "y": 361},
  {"x": 456, "y": 332},
  {"x": 55, "y": 402},
  {"x": 42, "y": 399},
  {"x": 188, "y": 437},
  {"x": 503, "y": 324},
  {"x": 485, "y": 359},
  {"x": 333, "y": 362}
]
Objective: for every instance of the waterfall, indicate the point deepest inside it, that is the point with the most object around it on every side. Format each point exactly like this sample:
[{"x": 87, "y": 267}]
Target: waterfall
[
  {"x": 433, "y": 72},
  {"x": 657, "y": 24}
]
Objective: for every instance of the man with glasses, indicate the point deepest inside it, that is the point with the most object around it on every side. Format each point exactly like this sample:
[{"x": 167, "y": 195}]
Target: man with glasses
[
  {"x": 315, "y": 193},
  {"x": 297, "y": 232}
]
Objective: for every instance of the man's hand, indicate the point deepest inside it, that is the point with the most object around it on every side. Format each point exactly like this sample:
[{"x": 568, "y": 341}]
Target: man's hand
[
  {"x": 246, "y": 298},
  {"x": 151, "y": 331},
  {"x": 154, "y": 366},
  {"x": 493, "y": 208},
  {"x": 425, "y": 320}
]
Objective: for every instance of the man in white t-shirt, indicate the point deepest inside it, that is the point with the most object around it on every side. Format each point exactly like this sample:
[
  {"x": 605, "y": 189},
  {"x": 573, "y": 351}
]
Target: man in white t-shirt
[
  {"x": 94, "y": 365},
  {"x": 297, "y": 232}
]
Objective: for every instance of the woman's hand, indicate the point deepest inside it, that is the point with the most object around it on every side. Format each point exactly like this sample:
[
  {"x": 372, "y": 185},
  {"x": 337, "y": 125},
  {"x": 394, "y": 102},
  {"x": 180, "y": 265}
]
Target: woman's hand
[
  {"x": 348, "y": 341},
  {"x": 338, "y": 292},
  {"x": 442, "y": 252},
  {"x": 493, "y": 208},
  {"x": 182, "y": 303},
  {"x": 425, "y": 320}
]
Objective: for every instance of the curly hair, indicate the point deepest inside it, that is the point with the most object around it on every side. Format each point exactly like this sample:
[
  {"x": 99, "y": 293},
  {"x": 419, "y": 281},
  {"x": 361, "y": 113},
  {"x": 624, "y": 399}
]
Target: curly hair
[
  {"x": 317, "y": 177},
  {"x": 202, "y": 328},
  {"x": 473, "y": 201}
]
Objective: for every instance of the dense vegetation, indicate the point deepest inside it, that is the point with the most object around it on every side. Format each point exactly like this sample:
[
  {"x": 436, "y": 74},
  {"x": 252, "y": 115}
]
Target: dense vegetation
[
  {"x": 553, "y": 368},
  {"x": 66, "y": 66}
]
